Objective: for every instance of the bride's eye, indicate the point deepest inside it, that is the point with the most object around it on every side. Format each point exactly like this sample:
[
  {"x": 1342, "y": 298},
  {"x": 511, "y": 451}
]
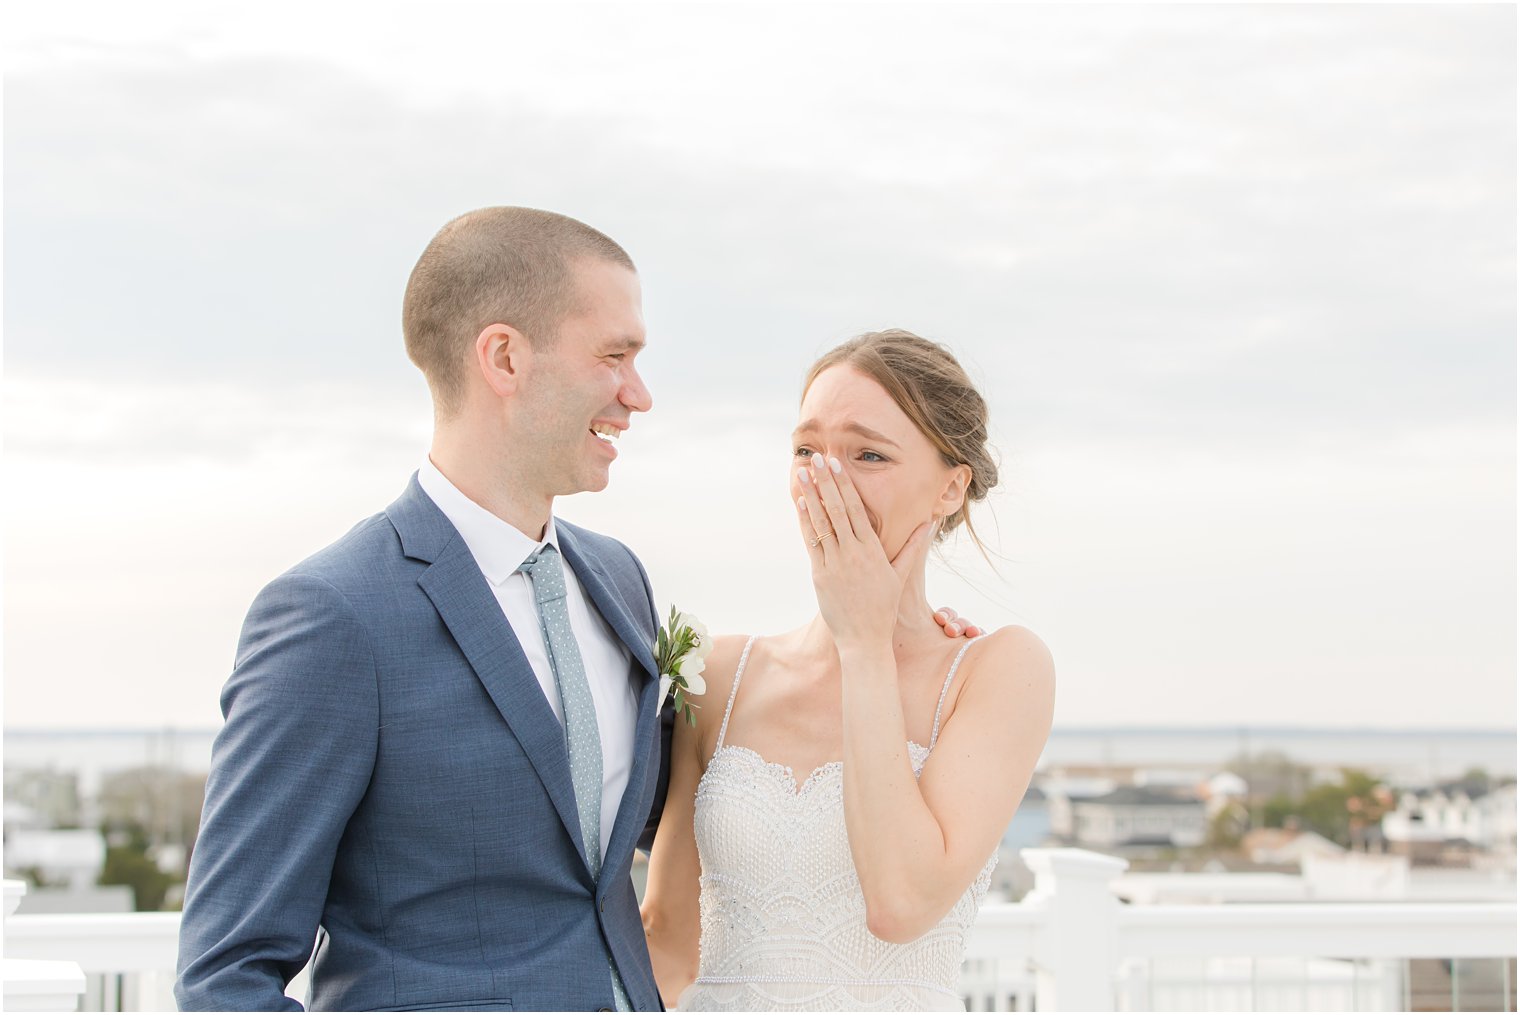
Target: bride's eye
[
  {"x": 802, "y": 452},
  {"x": 871, "y": 456}
]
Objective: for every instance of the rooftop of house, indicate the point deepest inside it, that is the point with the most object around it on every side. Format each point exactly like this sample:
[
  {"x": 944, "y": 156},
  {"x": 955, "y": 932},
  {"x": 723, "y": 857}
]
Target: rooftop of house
[
  {"x": 1474, "y": 788},
  {"x": 1139, "y": 796}
]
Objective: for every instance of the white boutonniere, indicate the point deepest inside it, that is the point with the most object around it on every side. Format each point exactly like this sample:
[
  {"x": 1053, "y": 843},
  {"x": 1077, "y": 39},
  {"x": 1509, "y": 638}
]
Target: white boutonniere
[{"x": 680, "y": 654}]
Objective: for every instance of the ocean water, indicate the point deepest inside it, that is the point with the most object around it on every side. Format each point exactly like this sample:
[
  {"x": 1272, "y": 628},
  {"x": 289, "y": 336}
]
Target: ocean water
[{"x": 1403, "y": 755}]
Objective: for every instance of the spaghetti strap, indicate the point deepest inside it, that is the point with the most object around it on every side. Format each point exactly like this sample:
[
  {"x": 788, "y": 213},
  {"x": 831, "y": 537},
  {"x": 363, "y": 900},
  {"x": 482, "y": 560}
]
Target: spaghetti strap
[
  {"x": 933, "y": 736},
  {"x": 733, "y": 692}
]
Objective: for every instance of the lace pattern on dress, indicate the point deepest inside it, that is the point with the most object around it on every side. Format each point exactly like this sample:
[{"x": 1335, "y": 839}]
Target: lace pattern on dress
[{"x": 783, "y": 916}]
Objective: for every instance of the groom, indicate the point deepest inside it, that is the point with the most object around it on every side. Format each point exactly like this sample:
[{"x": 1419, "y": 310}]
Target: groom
[{"x": 442, "y": 736}]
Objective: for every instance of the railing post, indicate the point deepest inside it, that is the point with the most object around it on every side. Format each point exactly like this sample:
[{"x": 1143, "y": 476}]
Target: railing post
[
  {"x": 1077, "y": 961},
  {"x": 36, "y": 985}
]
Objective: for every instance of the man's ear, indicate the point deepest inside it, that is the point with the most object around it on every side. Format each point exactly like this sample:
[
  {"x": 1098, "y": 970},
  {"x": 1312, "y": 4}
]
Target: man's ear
[
  {"x": 953, "y": 496},
  {"x": 502, "y": 355}
]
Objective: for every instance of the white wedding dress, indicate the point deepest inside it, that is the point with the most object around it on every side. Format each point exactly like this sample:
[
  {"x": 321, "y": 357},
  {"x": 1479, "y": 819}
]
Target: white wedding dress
[{"x": 783, "y": 917}]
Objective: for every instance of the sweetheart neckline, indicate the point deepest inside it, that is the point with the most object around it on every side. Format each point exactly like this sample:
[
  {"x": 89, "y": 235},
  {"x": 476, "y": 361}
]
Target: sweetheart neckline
[{"x": 798, "y": 789}]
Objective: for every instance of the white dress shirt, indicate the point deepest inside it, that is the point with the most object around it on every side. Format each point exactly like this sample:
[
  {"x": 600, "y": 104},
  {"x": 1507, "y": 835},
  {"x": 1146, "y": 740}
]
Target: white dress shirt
[{"x": 499, "y": 550}]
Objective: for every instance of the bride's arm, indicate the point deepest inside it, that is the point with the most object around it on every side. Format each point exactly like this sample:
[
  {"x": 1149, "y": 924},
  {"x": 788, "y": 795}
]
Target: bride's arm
[
  {"x": 672, "y": 917},
  {"x": 917, "y": 844}
]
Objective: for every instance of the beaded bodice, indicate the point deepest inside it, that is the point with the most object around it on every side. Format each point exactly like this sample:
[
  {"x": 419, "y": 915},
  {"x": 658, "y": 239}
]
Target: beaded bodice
[{"x": 783, "y": 916}]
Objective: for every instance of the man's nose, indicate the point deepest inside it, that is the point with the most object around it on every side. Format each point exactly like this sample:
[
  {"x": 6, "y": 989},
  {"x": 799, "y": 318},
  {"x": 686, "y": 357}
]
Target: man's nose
[{"x": 634, "y": 394}]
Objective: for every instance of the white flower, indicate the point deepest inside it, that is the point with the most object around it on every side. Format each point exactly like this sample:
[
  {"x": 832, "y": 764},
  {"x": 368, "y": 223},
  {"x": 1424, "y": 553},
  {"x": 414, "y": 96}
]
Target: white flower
[
  {"x": 682, "y": 674},
  {"x": 691, "y": 676},
  {"x": 703, "y": 647}
]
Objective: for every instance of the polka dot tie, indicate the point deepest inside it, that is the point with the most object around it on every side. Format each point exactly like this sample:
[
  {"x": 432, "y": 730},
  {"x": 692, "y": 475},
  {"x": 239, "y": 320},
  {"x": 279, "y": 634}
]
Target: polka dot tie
[{"x": 546, "y": 572}]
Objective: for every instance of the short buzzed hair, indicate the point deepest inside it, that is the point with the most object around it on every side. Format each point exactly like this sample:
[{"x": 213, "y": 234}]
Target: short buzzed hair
[{"x": 502, "y": 265}]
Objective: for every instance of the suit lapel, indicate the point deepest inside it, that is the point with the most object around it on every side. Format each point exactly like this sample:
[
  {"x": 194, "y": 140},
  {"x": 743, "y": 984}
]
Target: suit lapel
[
  {"x": 608, "y": 603},
  {"x": 469, "y": 609}
]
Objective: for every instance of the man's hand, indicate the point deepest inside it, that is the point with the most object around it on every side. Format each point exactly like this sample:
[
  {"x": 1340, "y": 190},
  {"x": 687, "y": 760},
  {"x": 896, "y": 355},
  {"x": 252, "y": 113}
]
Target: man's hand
[{"x": 956, "y": 626}]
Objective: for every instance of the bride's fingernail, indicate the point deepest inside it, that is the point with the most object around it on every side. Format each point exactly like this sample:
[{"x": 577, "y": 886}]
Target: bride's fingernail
[
  {"x": 817, "y": 460},
  {"x": 834, "y": 464},
  {"x": 801, "y": 503},
  {"x": 802, "y": 474}
]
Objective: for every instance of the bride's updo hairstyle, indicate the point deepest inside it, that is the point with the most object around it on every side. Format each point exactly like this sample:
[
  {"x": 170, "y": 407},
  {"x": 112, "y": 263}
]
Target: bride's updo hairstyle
[{"x": 932, "y": 389}]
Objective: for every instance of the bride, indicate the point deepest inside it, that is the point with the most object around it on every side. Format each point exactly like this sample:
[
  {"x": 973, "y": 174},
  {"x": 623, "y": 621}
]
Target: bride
[{"x": 834, "y": 815}]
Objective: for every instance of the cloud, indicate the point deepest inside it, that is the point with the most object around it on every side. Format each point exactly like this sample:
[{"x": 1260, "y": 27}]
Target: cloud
[
  {"x": 90, "y": 422},
  {"x": 1140, "y": 205}
]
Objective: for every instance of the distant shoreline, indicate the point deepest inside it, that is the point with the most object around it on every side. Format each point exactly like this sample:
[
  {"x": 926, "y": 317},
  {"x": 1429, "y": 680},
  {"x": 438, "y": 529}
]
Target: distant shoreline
[{"x": 1408, "y": 754}]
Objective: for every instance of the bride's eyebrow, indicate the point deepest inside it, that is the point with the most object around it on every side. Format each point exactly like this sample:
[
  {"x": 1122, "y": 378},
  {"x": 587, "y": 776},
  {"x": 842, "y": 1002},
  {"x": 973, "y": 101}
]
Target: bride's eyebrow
[
  {"x": 871, "y": 435},
  {"x": 807, "y": 426}
]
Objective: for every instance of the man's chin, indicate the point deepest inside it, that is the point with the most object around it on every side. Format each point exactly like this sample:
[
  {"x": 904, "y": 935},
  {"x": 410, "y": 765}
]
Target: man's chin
[{"x": 588, "y": 480}]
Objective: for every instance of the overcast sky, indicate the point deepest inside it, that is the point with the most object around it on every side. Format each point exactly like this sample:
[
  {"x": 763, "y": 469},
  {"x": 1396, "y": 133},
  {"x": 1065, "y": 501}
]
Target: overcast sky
[{"x": 1239, "y": 283}]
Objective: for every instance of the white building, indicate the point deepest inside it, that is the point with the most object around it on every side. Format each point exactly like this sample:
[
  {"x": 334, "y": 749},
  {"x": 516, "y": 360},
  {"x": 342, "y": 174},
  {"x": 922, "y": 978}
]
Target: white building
[
  {"x": 1477, "y": 812},
  {"x": 1061, "y": 792},
  {"x": 1137, "y": 816}
]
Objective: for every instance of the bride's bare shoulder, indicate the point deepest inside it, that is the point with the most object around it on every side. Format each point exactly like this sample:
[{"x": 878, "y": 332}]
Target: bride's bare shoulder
[
  {"x": 723, "y": 662},
  {"x": 718, "y": 675},
  {"x": 1012, "y": 663}
]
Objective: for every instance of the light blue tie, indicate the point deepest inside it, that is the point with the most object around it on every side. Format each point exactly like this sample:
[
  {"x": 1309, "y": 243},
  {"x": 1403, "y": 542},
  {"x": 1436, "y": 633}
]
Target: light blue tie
[{"x": 582, "y": 737}]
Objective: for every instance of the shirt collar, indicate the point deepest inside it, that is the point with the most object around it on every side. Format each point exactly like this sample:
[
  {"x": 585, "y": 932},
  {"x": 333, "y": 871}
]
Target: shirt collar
[{"x": 499, "y": 548}]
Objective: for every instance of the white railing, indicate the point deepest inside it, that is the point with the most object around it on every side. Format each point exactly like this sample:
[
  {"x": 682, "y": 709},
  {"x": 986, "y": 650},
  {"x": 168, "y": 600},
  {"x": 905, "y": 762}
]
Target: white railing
[
  {"x": 129, "y": 958},
  {"x": 1315, "y": 957},
  {"x": 1070, "y": 945},
  {"x": 37, "y": 984}
]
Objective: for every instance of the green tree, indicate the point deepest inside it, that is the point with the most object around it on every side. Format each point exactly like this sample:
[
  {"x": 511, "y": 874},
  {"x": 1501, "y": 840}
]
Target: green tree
[
  {"x": 1478, "y": 778},
  {"x": 1276, "y": 811},
  {"x": 1344, "y": 812},
  {"x": 1229, "y": 826},
  {"x": 129, "y": 864},
  {"x": 1323, "y": 810}
]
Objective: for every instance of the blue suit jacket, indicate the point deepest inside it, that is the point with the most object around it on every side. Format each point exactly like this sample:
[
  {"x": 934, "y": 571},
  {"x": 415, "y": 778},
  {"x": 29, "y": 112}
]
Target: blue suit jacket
[{"x": 392, "y": 784}]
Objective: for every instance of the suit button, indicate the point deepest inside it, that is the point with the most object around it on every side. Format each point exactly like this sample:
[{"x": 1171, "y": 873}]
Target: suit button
[
  {"x": 604, "y": 1009},
  {"x": 603, "y": 907}
]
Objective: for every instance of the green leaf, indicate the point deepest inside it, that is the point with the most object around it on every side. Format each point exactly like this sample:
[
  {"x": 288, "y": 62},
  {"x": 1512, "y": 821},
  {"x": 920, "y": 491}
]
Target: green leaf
[
  {"x": 680, "y": 699},
  {"x": 691, "y": 717}
]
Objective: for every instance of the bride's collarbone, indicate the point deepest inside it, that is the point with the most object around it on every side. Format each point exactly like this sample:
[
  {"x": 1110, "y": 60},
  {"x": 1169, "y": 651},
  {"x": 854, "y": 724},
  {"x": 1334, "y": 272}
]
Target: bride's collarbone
[
  {"x": 917, "y": 662},
  {"x": 796, "y": 719}
]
